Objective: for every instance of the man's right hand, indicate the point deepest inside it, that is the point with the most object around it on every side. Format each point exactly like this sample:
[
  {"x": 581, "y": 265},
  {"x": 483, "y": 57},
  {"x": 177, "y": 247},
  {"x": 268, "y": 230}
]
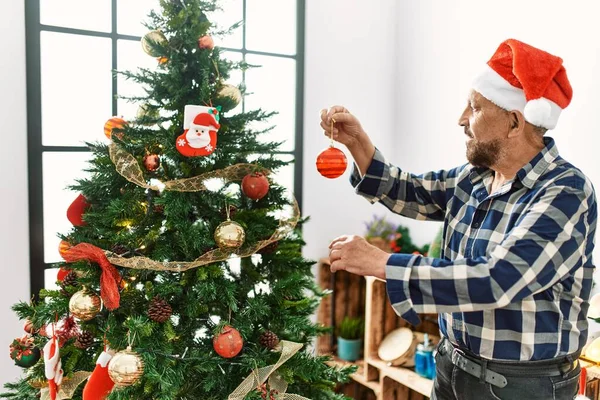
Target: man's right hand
[{"x": 348, "y": 131}]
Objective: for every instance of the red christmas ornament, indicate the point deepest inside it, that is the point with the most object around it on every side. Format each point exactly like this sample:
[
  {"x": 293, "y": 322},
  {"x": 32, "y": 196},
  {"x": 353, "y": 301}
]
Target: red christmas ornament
[
  {"x": 332, "y": 163},
  {"x": 229, "y": 343},
  {"x": 255, "y": 185},
  {"x": 151, "y": 162},
  {"x": 114, "y": 123},
  {"x": 206, "y": 43},
  {"x": 76, "y": 210},
  {"x": 28, "y": 327},
  {"x": 62, "y": 273}
]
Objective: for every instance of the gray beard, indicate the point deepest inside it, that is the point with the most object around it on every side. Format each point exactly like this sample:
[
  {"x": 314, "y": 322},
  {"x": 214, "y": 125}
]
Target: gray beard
[{"x": 483, "y": 154}]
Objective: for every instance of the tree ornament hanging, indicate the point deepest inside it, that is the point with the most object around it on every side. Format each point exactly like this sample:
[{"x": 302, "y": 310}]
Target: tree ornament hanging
[
  {"x": 231, "y": 95},
  {"x": 76, "y": 210},
  {"x": 206, "y": 42},
  {"x": 200, "y": 126},
  {"x": 100, "y": 384},
  {"x": 332, "y": 162},
  {"x": 24, "y": 352},
  {"x": 85, "y": 305},
  {"x": 126, "y": 368},
  {"x": 28, "y": 327},
  {"x": 255, "y": 185},
  {"x": 114, "y": 125},
  {"x": 229, "y": 234},
  {"x": 228, "y": 343},
  {"x": 62, "y": 273},
  {"x": 53, "y": 366},
  {"x": 151, "y": 162},
  {"x": 84, "y": 340},
  {"x": 152, "y": 43},
  {"x": 269, "y": 340}
]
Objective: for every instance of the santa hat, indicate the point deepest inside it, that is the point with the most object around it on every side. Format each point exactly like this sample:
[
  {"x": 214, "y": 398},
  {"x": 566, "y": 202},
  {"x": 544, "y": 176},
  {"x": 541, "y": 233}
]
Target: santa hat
[
  {"x": 205, "y": 119},
  {"x": 521, "y": 77}
]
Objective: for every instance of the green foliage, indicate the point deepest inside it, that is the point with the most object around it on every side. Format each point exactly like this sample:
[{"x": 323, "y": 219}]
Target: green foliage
[
  {"x": 273, "y": 291},
  {"x": 351, "y": 328}
]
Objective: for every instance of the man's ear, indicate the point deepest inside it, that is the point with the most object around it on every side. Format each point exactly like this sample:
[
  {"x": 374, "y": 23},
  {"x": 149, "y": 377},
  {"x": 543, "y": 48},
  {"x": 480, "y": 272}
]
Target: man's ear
[{"x": 516, "y": 123}]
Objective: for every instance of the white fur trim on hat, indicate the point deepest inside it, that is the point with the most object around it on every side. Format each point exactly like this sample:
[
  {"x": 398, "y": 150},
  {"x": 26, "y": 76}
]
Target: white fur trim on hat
[{"x": 539, "y": 112}]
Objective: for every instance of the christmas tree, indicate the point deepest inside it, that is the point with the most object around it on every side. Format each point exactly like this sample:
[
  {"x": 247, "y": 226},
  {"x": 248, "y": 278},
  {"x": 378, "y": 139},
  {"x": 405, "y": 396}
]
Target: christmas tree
[{"x": 183, "y": 276}]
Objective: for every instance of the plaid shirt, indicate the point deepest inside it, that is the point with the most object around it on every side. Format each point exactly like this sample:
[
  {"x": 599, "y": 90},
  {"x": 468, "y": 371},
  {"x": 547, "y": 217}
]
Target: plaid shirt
[{"x": 515, "y": 274}]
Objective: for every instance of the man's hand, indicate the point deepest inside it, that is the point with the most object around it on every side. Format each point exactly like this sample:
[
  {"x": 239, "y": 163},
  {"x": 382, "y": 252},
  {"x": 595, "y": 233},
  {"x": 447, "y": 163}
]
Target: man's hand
[
  {"x": 349, "y": 132},
  {"x": 355, "y": 255}
]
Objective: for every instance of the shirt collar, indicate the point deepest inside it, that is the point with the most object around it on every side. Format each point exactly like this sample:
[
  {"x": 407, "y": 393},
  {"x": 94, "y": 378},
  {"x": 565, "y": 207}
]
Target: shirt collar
[{"x": 531, "y": 171}]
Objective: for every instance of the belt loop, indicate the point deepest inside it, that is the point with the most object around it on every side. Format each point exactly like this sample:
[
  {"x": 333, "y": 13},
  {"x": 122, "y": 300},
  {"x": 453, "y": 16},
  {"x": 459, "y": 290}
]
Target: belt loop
[
  {"x": 570, "y": 367},
  {"x": 483, "y": 370}
]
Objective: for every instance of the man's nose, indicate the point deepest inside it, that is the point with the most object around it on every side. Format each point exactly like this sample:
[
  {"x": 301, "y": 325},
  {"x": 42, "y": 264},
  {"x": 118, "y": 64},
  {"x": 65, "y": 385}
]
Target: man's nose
[{"x": 464, "y": 118}]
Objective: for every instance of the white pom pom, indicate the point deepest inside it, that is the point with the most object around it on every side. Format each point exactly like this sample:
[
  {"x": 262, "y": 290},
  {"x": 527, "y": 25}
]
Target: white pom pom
[{"x": 537, "y": 112}]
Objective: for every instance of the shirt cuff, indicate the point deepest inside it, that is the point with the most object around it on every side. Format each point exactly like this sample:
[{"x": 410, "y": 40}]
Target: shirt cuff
[
  {"x": 371, "y": 185},
  {"x": 397, "y": 273}
]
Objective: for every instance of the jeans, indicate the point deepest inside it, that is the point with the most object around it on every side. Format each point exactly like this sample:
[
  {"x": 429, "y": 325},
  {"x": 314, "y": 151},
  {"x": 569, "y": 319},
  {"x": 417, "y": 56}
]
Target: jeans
[{"x": 452, "y": 383}]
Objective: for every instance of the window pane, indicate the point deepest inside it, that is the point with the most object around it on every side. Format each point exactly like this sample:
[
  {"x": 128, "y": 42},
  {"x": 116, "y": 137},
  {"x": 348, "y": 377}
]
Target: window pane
[
  {"x": 231, "y": 13},
  {"x": 285, "y": 175},
  {"x": 272, "y": 87},
  {"x": 236, "y": 77},
  {"x": 88, "y": 15},
  {"x": 76, "y": 88},
  {"x": 130, "y": 57},
  {"x": 50, "y": 279},
  {"x": 131, "y": 14},
  {"x": 271, "y": 26},
  {"x": 60, "y": 170}
]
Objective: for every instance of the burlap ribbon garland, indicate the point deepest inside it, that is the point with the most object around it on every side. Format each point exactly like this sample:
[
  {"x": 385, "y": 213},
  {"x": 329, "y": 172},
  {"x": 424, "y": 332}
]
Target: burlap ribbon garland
[
  {"x": 276, "y": 383},
  {"x": 68, "y": 386},
  {"x": 128, "y": 167}
]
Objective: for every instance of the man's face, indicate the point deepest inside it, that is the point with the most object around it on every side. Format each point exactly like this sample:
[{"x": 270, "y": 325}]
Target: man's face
[{"x": 486, "y": 127}]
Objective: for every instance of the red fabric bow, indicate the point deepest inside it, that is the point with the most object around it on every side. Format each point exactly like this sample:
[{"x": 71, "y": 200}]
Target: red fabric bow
[{"x": 110, "y": 278}]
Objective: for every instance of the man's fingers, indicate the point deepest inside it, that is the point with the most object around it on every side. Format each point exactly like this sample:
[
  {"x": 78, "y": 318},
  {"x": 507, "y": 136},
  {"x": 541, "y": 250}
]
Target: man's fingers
[
  {"x": 327, "y": 128},
  {"x": 337, "y": 239},
  {"x": 335, "y": 110},
  {"x": 342, "y": 117},
  {"x": 336, "y": 266},
  {"x": 335, "y": 255}
]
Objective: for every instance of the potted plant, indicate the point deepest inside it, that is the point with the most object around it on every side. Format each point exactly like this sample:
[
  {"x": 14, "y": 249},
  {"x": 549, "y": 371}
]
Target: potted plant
[
  {"x": 350, "y": 334},
  {"x": 380, "y": 232}
]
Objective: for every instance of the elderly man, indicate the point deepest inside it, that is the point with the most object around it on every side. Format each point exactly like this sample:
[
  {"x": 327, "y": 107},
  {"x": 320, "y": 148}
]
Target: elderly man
[{"x": 513, "y": 282}]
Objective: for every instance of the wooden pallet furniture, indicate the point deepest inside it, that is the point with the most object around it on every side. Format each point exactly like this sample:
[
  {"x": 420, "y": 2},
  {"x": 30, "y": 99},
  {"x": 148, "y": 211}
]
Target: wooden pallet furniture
[{"x": 355, "y": 296}]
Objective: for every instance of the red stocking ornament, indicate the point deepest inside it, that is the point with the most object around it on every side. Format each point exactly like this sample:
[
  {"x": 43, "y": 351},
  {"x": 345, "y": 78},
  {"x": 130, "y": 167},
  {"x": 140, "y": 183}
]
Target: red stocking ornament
[
  {"x": 53, "y": 366},
  {"x": 99, "y": 385}
]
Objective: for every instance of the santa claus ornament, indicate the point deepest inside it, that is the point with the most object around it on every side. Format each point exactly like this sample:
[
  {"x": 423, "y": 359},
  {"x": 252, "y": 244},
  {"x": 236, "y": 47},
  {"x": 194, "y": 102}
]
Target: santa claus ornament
[{"x": 200, "y": 126}]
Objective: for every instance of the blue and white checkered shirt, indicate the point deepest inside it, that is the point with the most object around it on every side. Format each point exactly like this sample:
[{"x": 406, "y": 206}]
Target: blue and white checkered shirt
[{"x": 515, "y": 273}]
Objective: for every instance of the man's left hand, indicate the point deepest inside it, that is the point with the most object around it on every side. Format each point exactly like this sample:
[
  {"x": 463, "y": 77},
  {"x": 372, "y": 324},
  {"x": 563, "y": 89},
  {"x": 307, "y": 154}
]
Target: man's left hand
[{"x": 353, "y": 254}]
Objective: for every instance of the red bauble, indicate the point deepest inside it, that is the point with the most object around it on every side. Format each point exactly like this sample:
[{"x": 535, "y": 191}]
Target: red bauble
[
  {"x": 332, "y": 163},
  {"x": 229, "y": 343},
  {"x": 28, "y": 327},
  {"x": 206, "y": 42},
  {"x": 76, "y": 210},
  {"x": 62, "y": 273},
  {"x": 255, "y": 185},
  {"x": 151, "y": 162},
  {"x": 114, "y": 123}
]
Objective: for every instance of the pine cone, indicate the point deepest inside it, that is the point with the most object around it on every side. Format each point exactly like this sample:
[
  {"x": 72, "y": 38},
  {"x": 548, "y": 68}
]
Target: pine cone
[
  {"x": 70, "y": 279},
  {"x": 269, "y": 340},
  {"x": 159, "y": 310},
  {"x": 119, "y": 249},
  {"x": 84, "y": 340}
]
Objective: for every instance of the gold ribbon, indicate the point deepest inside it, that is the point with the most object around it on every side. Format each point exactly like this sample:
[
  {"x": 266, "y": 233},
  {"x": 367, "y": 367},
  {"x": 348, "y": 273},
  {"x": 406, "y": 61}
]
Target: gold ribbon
[
  {"x": 67, "y": 387},
  {"x": 128, "y": 167},
  {"x": 276, "y": 383}
]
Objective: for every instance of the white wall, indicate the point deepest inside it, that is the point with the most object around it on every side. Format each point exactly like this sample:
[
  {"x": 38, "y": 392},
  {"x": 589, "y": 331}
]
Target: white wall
[
  {"x": 350, "y": 56},
  {"x": 14, "y": 236}
]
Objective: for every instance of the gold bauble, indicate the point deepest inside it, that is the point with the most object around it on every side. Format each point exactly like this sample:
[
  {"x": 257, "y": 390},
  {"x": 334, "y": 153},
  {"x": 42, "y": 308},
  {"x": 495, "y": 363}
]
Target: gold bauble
[
  {"x": 126, "y": 368},
  {"x": 231, "y": 92},
  {"x": 85, "y": 305},
  {"x": 150, "y": 38},
  {"x": 229, "y": 234}
]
